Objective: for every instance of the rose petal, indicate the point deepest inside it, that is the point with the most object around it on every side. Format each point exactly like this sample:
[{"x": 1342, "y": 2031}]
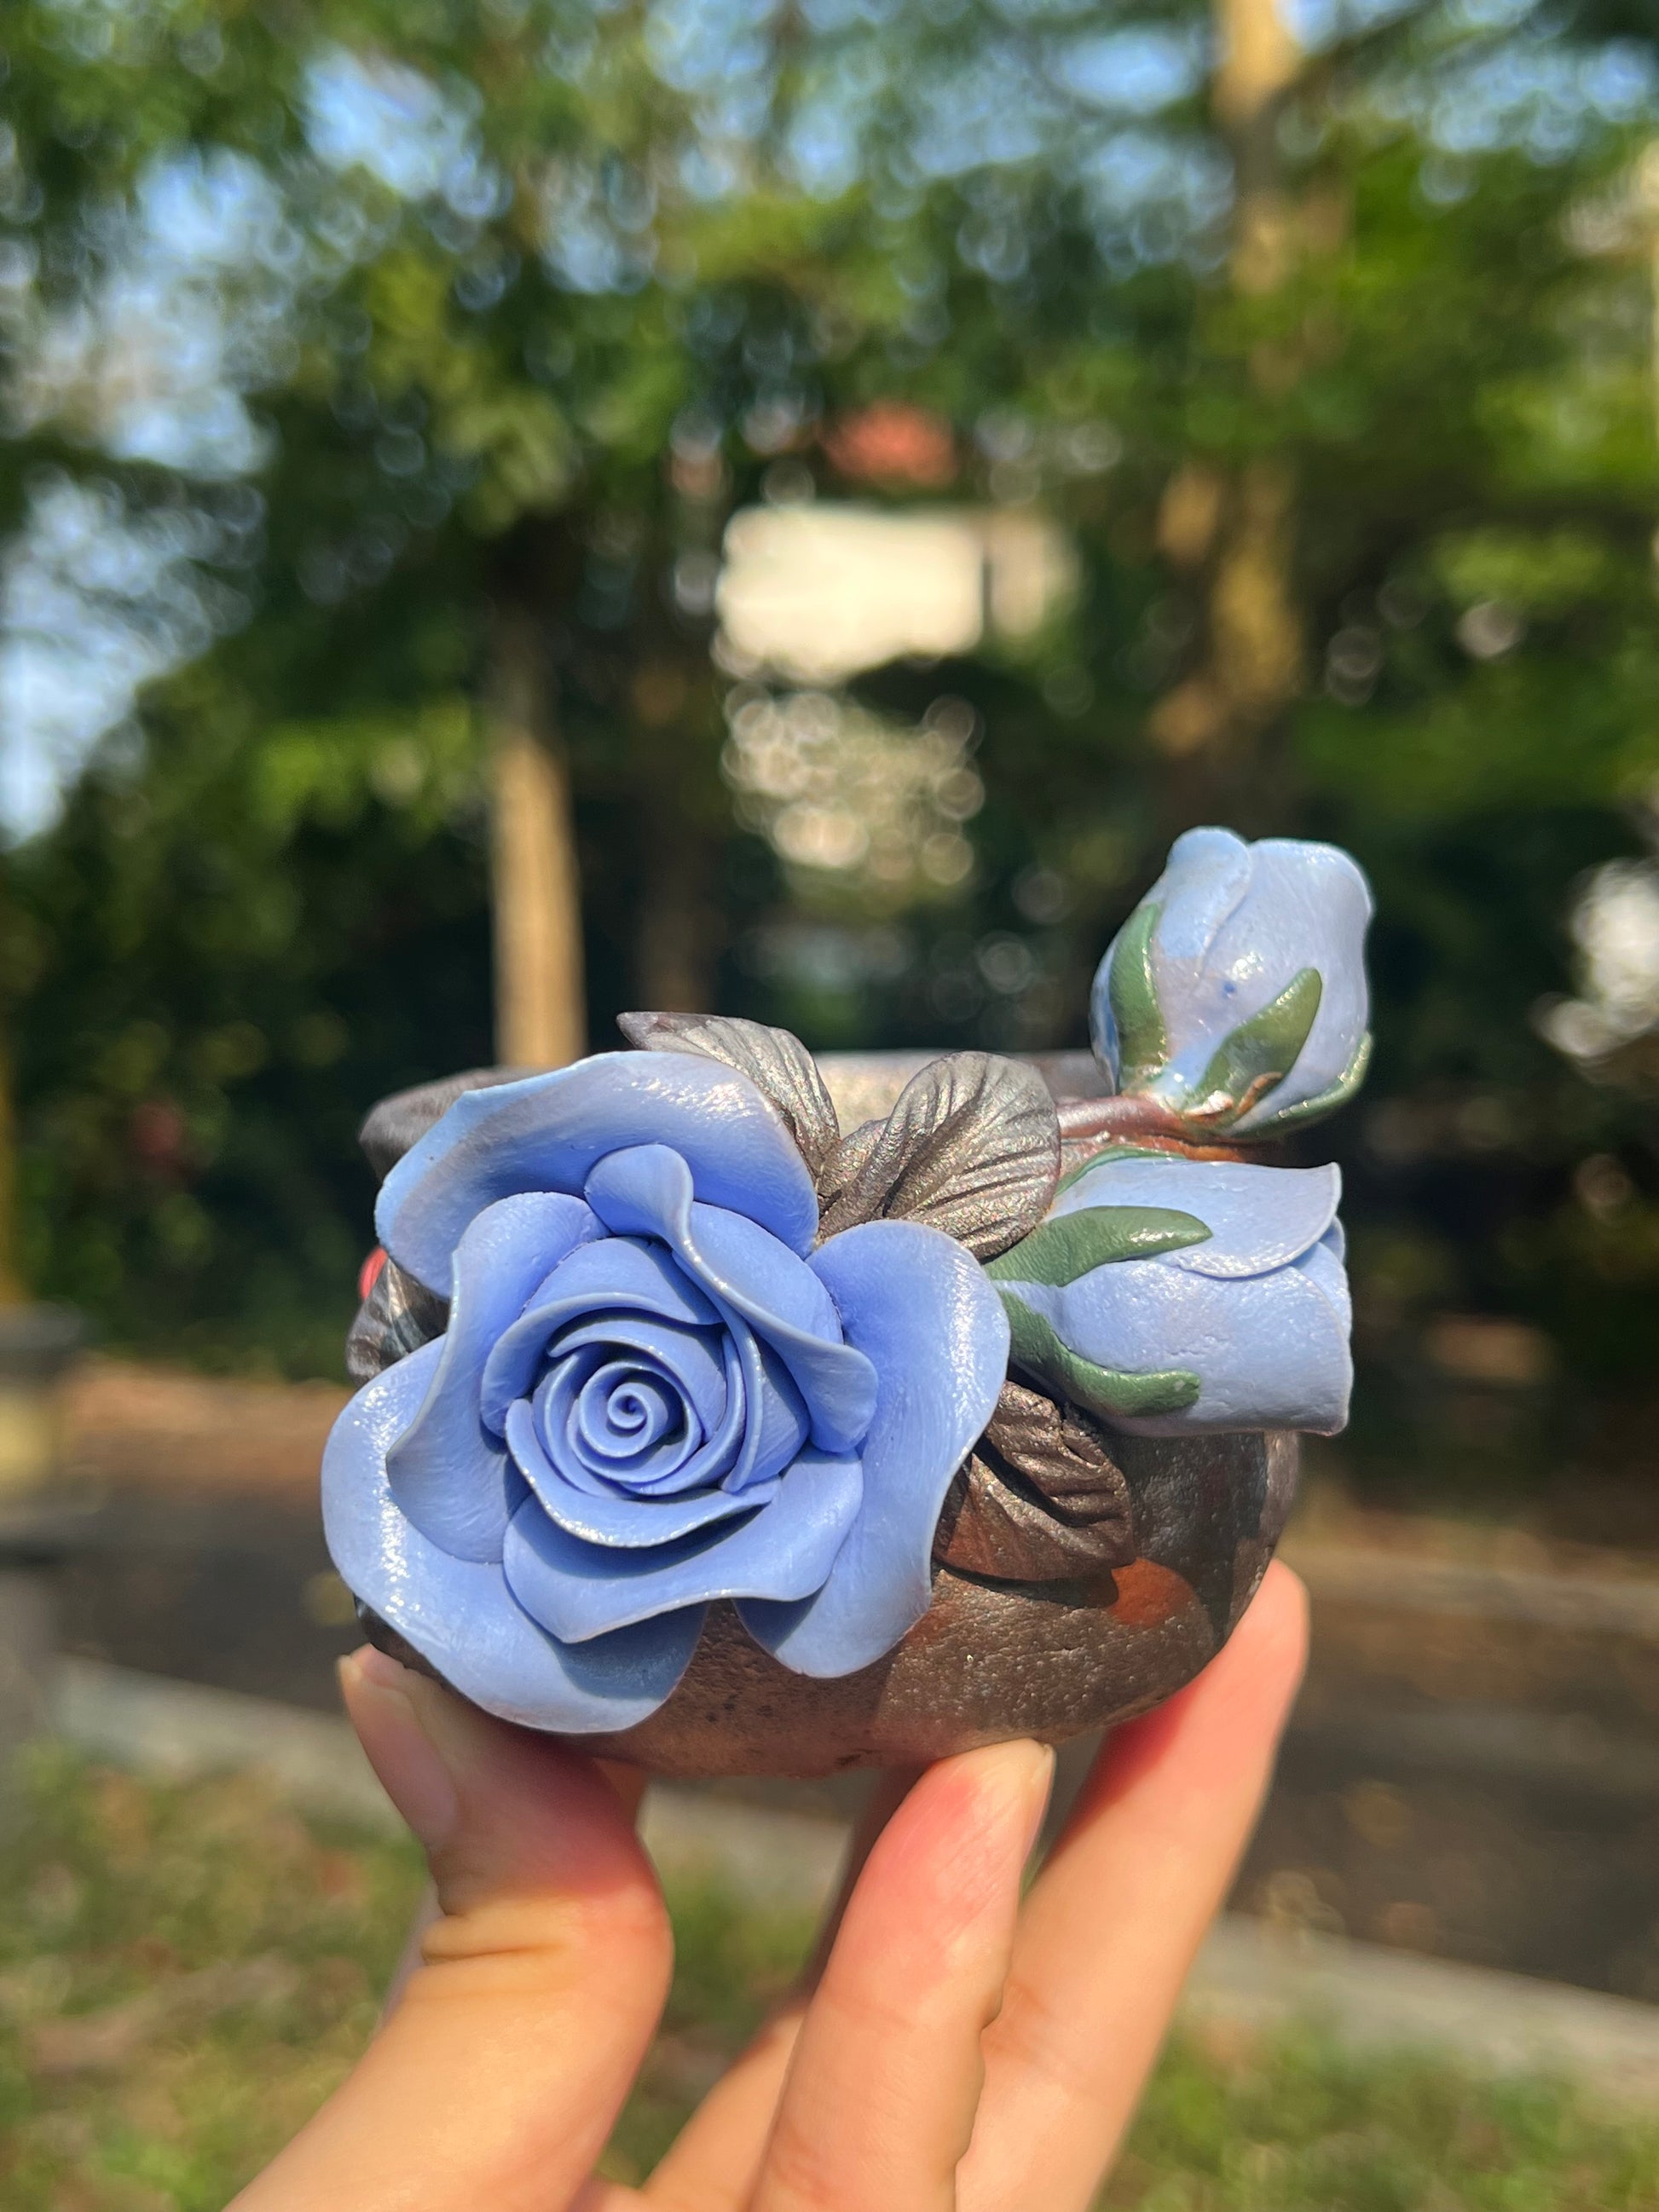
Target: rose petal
[
  {"x": 460, "y": 1613},
  {"x": 551, "y": 1408},
  {"x": 783, "y": 1550},
  {"x": 692, "y": 1355},
  {"x": 648, "y": 1192},
  {"x": 1323, "y": 1266},
  {"x": 926, "y": 1312},
  {"x": 1259, "y": 1218},
  {"x": 564, "y": 1420},
  {"x": 629, "y": 1418},
  {"x": 449, "y": 1473},
  {"x": 1309, "y": 906},
  {"x": 620, "y": 1274},
  {"x": 777, "y": 1429},
  {"x": 727, "y": 1458},
  {"x": 548, "y": 1132},
  {"x": 603, "y": 1516}
]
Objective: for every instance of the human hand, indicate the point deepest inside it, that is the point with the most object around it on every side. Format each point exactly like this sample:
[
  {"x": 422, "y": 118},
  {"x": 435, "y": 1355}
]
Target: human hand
[{"x": 953, "y": 2047}]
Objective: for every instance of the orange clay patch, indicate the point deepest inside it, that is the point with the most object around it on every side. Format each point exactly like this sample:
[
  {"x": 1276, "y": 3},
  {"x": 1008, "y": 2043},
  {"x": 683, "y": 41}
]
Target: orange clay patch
[{"x": 1149, "y": 1595}]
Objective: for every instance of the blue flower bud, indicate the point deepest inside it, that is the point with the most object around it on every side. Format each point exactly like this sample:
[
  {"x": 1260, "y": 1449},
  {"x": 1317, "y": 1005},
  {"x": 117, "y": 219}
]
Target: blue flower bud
[
  {"x": 1235, "y": 993},
  {"x": 1172, "y": 1296}
]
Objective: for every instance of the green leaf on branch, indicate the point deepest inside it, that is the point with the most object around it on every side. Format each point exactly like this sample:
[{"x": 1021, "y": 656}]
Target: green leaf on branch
[
  {"x": 1261, "y": 1052},
  {"x": 1111, "y": 1392},
  {"x": 1143, "y": 1042},
  {"x": 1074, "y": 1245}
]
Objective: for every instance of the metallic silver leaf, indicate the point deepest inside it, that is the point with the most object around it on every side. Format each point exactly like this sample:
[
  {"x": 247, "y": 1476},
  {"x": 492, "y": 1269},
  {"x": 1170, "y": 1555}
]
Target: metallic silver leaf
[
  {"x": 777, "y": 1063},
  {"x": 397, "y": 1317},
  {"x": 1041, "y": 1498},
  {"x": 846, "y": 1161},
  {"x": 972, "y": 1147}
]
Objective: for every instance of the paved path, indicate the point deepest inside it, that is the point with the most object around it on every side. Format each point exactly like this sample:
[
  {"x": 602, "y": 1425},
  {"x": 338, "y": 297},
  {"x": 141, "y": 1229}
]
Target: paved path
[
  {"x": 1471, "y": 1771},
  {"x": 1247, "y": 1974}
]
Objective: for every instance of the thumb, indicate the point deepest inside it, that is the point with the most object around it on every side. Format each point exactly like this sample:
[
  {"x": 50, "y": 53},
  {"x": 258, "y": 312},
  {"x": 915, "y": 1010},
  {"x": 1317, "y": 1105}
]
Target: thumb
[{"x": 497, "y": 2078}]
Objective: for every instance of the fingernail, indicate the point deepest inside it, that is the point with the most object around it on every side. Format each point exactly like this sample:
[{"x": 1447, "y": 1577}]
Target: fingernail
[
  {"x": 1037, "y": 1785},
  {"x": 1017, "y": 1792},
  {"x": 415, "y": 1769}
]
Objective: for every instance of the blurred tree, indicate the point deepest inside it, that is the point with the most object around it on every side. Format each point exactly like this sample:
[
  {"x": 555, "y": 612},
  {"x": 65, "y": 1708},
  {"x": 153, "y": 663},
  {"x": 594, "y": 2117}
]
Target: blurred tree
[
  {"x": 422, "y": 353},
  {"x": 540, "y": 1009}
]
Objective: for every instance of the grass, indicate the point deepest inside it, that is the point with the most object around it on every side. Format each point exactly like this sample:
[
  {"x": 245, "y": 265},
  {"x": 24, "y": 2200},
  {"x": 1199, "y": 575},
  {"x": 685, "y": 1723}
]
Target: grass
[{"x": 186, "y": 1971}]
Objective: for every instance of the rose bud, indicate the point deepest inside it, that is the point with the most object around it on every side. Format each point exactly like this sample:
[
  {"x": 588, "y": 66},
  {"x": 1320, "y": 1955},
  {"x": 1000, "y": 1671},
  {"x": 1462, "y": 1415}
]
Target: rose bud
[
  {"x": 1171, "y": 1295},
  {"x": 1235, "y": 995}
]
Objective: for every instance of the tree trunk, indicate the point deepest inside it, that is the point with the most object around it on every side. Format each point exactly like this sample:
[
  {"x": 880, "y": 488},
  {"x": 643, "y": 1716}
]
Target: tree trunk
[
  {"x": 675, "y": 953},
  {"x": 1235, "y": 535},
  {"x": 541, "y": 1019},
  {"x": 681, "y": 806},
  {"x": 1260, "y": 62}
]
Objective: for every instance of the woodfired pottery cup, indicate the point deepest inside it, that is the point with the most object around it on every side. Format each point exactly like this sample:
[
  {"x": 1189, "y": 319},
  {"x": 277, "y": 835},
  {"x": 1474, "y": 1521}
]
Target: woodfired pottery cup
[{"x": 991, "y": 1658}]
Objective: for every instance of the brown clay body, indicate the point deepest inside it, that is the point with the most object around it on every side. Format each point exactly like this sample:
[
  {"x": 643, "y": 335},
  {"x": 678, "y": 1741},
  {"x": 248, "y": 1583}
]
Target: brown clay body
[{"x": 993, "y": 1660}]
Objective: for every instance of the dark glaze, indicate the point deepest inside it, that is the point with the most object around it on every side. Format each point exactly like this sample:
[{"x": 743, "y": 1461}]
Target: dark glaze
[{"x": 991, "y": 1660}]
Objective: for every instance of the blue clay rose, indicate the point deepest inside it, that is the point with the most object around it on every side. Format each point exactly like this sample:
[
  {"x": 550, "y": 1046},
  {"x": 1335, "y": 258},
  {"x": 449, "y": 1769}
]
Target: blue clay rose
[
  {"x": 653, "y": 1392},
  {"x": 1235, "y": 995},
  {"x": 1172, "y": 1295}
]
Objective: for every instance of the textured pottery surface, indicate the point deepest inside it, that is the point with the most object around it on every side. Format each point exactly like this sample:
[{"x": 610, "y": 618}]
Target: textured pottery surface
[{"x": 733, "y": 1412}]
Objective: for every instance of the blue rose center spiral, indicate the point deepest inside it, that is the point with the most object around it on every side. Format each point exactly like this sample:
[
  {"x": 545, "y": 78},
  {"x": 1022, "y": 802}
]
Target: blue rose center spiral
[
  {"x": 621, "y": 1419},
  {"x": 636, "y": 1406}
]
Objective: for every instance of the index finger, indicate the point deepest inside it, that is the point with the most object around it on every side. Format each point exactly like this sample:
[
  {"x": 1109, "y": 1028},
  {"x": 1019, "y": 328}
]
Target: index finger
[
  {"x": 878, "y": 2104},
  {"x": 1112, "y": 1925}
]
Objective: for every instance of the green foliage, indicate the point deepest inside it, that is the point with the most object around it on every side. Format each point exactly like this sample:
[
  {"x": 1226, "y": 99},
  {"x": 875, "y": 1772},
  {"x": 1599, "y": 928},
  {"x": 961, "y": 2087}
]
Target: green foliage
[
  {"x": 207, "y": 939},
  {"x": 188, "y": 1972},
  {"x": 531, "y": 336},
  {"x": 1298, "y": 2125}
]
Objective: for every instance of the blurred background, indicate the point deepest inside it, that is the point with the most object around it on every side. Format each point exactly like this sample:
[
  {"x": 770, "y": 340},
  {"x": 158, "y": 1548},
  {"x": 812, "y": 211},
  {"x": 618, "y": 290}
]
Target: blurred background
[{"x": 513, "y": 510}]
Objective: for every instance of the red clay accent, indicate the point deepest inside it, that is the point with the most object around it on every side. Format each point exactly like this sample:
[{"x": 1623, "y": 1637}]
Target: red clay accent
[{"x": 369, "y": 1273}]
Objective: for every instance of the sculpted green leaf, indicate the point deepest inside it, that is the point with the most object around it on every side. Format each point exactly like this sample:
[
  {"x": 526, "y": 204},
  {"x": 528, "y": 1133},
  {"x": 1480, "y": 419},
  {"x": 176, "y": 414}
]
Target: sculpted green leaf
[
  {"x": 1108, "y": 1391},
  {"x": 1143, "y": 1041},
  {"x": 1074, "y": 1245},
  {"x": 1260, "y": 1052},
  {"x": 1315, "y": 1109}
]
